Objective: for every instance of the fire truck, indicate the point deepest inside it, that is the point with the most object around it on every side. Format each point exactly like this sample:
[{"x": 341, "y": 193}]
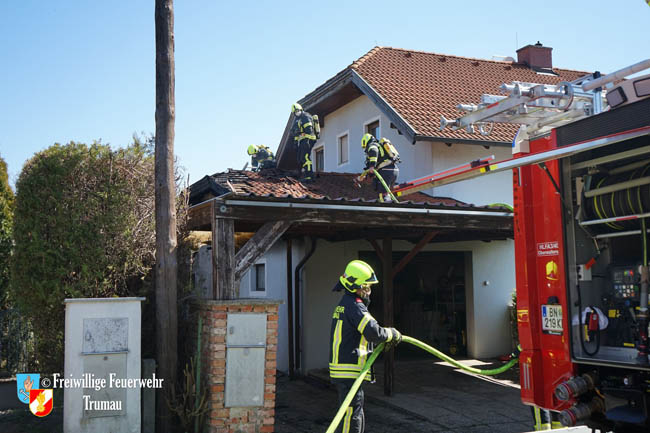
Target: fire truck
[{"x": 581, "y": 195}]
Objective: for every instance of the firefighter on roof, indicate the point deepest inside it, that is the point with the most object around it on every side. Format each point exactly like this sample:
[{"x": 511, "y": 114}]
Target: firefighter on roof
[
  {"x": 261, "y": 157},
  {"x": 352, "y": 334},
  {"x": 306, "y": 131},
  {"x": 381, "y": 156}
]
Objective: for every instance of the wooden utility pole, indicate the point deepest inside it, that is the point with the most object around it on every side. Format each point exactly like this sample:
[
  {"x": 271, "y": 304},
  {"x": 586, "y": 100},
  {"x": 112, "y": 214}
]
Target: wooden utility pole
[{"x": 166, "y": 265}]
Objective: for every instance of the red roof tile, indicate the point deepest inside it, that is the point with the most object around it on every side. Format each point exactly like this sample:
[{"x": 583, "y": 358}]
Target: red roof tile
[
  {"x": 326, "y": 186},
  {"x": 423, "y": 86}
]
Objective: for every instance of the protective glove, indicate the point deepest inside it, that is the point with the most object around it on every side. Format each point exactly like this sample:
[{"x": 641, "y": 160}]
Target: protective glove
[{"x": 397, "y": 339}]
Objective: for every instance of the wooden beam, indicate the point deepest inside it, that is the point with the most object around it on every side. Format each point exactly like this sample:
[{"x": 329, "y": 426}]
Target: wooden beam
[
  {"x": 258, "y": 245},
  {"x": 377, "y": 248},
  {"x": 416, "y": 249},
  {"x": 369, "y": 219},
  {"x": 389, "y": 357},
  {"x": 223, "y": 259}
]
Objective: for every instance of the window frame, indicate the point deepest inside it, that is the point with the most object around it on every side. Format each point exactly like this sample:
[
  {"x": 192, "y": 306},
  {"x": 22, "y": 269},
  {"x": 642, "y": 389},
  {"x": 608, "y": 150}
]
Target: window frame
[
  {"x": 320, "y": 148},
  {"x": 369, "y": 122},
  {"x": 252, "y": 287},
  {"x": 338, "y": 149}
]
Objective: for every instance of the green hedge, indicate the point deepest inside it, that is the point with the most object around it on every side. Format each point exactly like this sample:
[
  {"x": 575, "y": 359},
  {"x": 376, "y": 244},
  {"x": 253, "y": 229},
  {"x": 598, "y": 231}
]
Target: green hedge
[{"x": 83, "y": 227}]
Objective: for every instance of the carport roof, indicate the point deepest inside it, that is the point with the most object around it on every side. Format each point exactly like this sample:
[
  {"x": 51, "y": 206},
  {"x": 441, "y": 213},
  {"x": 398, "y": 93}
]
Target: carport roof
[{"x": 334, "y": 208}]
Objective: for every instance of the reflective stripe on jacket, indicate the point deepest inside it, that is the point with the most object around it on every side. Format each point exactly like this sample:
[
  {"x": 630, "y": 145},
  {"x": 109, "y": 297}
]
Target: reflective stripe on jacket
[
  {"x": 376, "y": 156},
  {"x": 352, "y": 334},
  {"x": 303, "y": 127}
]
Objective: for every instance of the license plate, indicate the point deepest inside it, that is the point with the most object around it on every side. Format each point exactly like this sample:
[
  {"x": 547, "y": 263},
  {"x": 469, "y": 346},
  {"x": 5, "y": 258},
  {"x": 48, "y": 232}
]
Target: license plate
[{"x": 552, "y": 319}]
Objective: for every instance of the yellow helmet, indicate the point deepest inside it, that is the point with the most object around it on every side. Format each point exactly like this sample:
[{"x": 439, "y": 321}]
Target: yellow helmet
[
  {"x": 252, "y": 149},
  {"x": 357, "y": 272},
  {"x": 367, "y": 138},
  {"x": 296, "y": 107}
]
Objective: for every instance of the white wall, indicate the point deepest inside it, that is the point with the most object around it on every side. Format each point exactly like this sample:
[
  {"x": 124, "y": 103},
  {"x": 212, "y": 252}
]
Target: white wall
[
  {"x": 416, "y": 159},
  {"x": 483, "y": 190},
  {"x": 488, "y": 328},
  {"x": 276, "y": 286}
]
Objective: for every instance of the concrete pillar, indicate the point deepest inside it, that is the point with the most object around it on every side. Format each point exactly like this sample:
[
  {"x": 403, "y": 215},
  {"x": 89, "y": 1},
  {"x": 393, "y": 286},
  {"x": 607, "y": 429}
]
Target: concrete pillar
[{"x": 102, "y": 346}]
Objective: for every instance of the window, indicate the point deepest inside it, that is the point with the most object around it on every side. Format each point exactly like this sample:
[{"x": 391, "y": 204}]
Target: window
[
  {"x": 373, "y": 128},
  {"x": 319, "y": 159},
  {"x": 343, "y": 149},
  {"x": 260, "y": 278}
]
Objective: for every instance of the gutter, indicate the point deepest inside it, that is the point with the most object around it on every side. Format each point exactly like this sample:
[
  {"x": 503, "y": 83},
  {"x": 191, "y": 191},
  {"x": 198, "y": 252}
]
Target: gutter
[
  {"x": 361, "y": 208},
  {"x": 463, "y": 141}
]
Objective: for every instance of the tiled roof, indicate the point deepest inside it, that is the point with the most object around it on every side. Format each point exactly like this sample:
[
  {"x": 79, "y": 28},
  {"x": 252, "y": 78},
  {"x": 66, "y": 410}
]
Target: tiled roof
[
  {"x": 280, "y": 184},
  {"x": 423, "y": 86}
]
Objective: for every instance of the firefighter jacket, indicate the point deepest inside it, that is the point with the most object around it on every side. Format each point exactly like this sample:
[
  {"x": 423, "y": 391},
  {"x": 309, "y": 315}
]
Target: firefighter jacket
[
  {"x": 352, "y": 333},
  {"x": 304, "y": 128},
  {"x": 376, "y": 156},
  {"x": 263, "y": 154}
]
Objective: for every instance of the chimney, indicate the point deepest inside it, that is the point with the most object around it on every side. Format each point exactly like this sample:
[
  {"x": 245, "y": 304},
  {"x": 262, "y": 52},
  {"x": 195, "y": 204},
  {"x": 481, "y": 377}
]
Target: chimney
[{"x": 535, "y": 56}]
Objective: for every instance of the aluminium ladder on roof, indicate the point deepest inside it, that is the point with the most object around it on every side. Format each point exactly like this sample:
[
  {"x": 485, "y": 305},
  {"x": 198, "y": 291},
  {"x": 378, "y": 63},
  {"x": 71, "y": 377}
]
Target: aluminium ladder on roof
[{"x": 538, "y": 108}]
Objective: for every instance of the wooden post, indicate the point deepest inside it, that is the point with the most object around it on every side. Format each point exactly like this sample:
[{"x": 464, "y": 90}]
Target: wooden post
[
  {"x": 223, "y": 259},
  {"x": 389, "y": 357},
  {"x": 165, "y": 204}
]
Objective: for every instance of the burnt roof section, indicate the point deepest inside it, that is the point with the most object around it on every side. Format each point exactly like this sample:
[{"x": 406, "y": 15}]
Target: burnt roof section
[
  {"x": 414, "y": 88},
  {"x": 275, "y": 184}
]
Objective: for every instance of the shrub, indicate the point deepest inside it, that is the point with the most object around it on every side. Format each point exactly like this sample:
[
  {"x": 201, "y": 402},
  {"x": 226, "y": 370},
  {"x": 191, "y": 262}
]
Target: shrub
[{"x": 84, "y": 227}]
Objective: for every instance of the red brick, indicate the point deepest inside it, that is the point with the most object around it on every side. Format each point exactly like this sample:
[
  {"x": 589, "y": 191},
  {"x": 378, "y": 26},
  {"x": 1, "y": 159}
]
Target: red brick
[
  {"x": 269, "y": 396},
  {"x": 220, "y": 308},
  {"x": 273, "y": 308},
  {"x": 219, "y": 315},
  {"x": 221, "y": 323},
  {"x": 271, "y": 355},
  {"x": 259, "y": 309},
  {"x": 246, "y": 308},
  {"x": 269, "y": 372},
  {"x": 234, "y": 308},
  {"x": 272, "y": 325},
  {"x": 269, "y": 379},
  {"x": 267, "y": 429},
  {"x": 220, "y": 413},
  {"x": 269, "y": 403}
]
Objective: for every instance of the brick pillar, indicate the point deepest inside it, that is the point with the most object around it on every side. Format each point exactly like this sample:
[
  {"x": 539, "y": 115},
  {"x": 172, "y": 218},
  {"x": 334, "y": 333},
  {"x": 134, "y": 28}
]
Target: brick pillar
[{"x": 249, "y": 419}]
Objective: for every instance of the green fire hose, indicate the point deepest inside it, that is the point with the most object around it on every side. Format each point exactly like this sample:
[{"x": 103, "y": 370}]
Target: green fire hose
[
  {"x": 423, "y": 346},
  {"x": 383, "y": 183}
]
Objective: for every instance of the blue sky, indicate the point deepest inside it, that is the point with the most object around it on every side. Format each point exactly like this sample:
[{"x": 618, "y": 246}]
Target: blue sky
[{"x": 84, "y": 70}]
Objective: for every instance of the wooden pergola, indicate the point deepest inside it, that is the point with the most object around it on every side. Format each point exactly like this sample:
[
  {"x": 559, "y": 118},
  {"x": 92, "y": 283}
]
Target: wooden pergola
[{"x": 271, "y": 218}]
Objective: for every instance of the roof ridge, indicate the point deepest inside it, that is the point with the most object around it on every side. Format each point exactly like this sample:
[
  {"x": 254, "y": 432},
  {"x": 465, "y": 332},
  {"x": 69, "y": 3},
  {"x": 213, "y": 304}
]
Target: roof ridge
[{"x": 365, "y": 57}]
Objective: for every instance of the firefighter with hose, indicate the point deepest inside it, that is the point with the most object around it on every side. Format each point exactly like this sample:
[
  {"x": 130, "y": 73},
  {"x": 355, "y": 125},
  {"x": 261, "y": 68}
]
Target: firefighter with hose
[
  {"x": 381, "y": 159},
  {"x": 353, "y": 333}
]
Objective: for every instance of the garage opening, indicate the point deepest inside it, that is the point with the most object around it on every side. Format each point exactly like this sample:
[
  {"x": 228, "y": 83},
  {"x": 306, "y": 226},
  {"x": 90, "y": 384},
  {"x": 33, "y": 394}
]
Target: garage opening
[{"x": 429, "y": 300}]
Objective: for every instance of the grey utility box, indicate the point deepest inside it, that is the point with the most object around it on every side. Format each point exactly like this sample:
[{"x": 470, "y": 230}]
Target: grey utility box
[
  {"x": 245, "y": 359},
  {"x": 102, "y": 346}
]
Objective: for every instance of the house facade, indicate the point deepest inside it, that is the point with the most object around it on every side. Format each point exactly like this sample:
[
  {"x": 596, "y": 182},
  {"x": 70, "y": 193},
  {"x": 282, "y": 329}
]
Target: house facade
[{"x": 456, "y": 281}]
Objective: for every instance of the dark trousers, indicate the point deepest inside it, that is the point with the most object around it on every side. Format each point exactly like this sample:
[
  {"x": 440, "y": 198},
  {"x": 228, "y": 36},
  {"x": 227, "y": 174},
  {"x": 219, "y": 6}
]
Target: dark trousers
[
  {"x": 389, "y": 174},
  {"x": 304, "y": 157},
  {"x": 353, "y": 420}
]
